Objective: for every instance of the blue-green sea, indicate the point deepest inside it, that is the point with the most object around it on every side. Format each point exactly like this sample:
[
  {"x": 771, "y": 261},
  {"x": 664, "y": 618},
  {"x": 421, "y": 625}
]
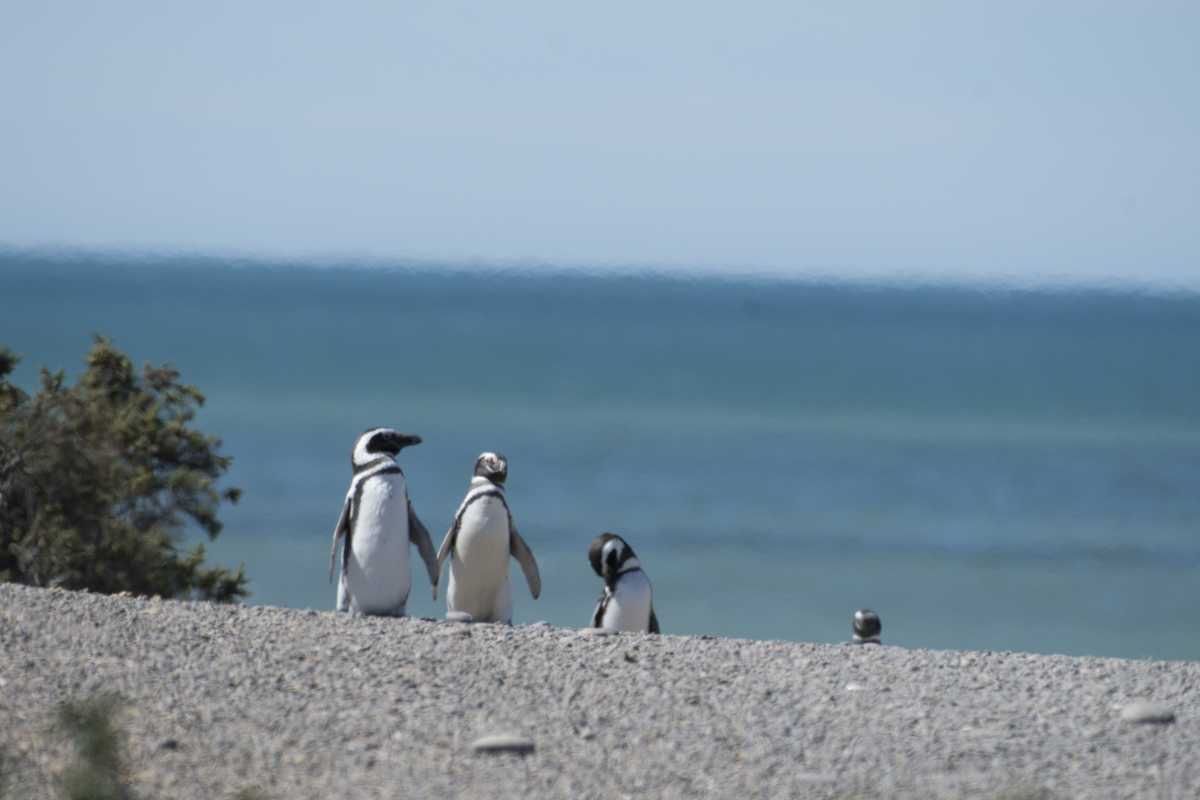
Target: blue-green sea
[{"x": 995, "y": 469}]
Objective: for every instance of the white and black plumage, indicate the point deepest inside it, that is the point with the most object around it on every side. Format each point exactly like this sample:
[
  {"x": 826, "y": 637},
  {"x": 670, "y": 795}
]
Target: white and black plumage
[
  {"x": 866, "y": 627},
  {"x": 628, "y": 600},
  {"x": 479, "y": 543},
  {"x": 377, "y": 523}
]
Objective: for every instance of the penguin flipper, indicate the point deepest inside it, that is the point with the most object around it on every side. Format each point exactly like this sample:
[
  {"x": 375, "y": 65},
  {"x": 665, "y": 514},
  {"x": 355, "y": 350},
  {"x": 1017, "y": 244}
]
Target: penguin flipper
[
  {"x": 443, "y": 551},
  {"x": 598, "y": 614},
  {"x": 419, "y": 535},
  {"x": 653, "y": 621},
  {"x": 342, "y": 528},
  {"x": 524, "y": 556}
]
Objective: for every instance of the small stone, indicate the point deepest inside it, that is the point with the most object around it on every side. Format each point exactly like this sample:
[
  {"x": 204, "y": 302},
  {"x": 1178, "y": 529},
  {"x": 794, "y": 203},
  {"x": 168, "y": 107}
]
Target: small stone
[
  {"x": 1147, "y": 711},
  {"x": 503, "y": 743},
  {"x": 854, "y": 687},
  {"x": 168, "y": 744},
  {"x": 457, "y": 630}
]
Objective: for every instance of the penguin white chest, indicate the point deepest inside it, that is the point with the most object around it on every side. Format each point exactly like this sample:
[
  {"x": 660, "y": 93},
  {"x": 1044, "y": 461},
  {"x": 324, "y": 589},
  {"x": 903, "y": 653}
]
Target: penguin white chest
[
  {"x": 376, "y": 578},
  {"x": 479, "y": 582},
  {"x": 628, "y": 607}
]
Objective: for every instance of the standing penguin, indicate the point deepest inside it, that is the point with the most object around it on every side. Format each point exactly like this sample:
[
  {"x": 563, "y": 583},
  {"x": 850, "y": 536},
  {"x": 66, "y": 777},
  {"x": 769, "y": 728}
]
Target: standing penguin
[
  {"x": 479, "y": 543},
  {"x": 378, "y": 522},
  {"x": 628, "y": 600}
]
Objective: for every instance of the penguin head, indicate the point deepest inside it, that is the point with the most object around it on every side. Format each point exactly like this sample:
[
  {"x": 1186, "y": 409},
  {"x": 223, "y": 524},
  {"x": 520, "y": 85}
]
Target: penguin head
[
  {"x": 493, "y": 466},
  {"x": 610, "y": 555},
  {"x": 867, "y": 627},
  {"x": 377, "y": 442}
]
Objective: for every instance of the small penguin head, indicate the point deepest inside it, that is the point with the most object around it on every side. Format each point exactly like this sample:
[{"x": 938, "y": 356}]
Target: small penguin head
[
  {"x": 610, "y": 555},
  {"x": 377, "y": 442},
  {"x": 493, "y": 466},
  {"x": 867, "y": 627}
]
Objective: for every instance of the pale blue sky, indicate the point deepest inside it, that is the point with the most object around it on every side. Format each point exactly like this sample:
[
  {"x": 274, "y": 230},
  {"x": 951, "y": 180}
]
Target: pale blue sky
[{"x": 952, "y": 140}]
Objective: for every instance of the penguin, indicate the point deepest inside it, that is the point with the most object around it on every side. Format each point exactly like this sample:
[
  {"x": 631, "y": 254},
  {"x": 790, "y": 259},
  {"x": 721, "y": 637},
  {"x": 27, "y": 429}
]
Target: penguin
[
  {"x": 377, "y": 523},
  {"x": 866, "y": 627},
  {"x": 479, "y": 542},
  {"x": 628, "y": 600}
]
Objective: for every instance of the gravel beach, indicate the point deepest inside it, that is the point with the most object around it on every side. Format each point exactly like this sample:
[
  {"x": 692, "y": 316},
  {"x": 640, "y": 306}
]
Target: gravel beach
[{"x": 315, "y": 704}]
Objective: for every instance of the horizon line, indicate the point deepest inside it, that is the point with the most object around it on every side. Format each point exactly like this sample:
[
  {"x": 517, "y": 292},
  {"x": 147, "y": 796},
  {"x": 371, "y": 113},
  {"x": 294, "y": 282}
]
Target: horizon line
[{"x": 903, "y": 278}]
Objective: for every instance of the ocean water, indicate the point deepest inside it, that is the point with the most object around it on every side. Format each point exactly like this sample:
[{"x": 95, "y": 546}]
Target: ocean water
[{"x": 999, "y": 470}]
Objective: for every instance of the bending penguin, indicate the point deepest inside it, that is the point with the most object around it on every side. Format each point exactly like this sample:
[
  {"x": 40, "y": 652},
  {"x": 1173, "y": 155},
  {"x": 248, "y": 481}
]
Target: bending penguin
[
  {"x": 377, "y": 523},
  {"x": 628, "y": 600},
  {"x": 479, "y": 542}
]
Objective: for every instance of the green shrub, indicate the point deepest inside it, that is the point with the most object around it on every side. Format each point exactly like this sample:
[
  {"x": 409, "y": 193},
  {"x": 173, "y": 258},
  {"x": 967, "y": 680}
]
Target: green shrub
[{"x": 97, "y": 481}]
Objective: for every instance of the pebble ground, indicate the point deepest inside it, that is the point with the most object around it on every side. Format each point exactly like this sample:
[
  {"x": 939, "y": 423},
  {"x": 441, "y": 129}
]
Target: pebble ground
[{"x": 301, "y": 704}]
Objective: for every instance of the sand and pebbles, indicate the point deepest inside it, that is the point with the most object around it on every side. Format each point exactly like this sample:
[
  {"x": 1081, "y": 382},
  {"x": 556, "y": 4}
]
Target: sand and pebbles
[{"x": 313, "y": 704}]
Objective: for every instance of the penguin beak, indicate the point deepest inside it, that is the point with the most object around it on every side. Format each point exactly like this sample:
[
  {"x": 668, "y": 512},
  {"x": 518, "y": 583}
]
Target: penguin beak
[{"x": 402, "y": 440}]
